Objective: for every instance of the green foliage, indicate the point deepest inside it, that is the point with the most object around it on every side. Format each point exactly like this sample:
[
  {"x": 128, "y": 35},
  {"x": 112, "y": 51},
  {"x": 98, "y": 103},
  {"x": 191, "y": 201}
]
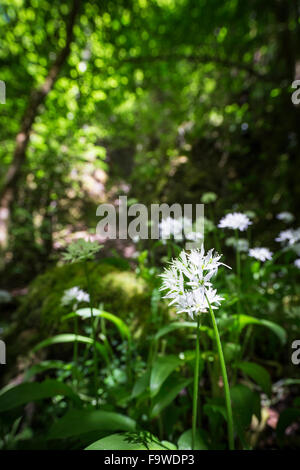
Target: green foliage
[
  {"x": 81, "y": 250},
  {"x": 185, "y": 441},
  {"x": 161, "y": 369},
  {"x": 130, "y": 441},
  {"x": 258, "y": 374},
  {"x": 121, "y": 325},
  {"x": 166, "y": 101},
  {"x": 121, "y": 292},
  {"x": 70, "y": 338},
  {"x": 76, "y": 422},
  {"x": 29, "y": 392}
]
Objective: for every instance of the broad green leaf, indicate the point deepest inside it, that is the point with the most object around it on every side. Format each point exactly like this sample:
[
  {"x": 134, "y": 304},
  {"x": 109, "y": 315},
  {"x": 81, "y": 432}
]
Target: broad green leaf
[
  {"x": 287, "y": 382},
  {"x": 43, "y": 366},
  {"x": 245, "y": 403},
  {"x": 71, "y": 338},
  {"x": 68, "y": 316},
  {"x": 185, "y": 441},
  {"x": 174, "y": 326},
  {"x": 169, "y": 445},
  {"x": 162, "y": 368},
  {"x": 29, "y": 392},
  {"x": 258, "y": 373},
  {"x": 177, "y": 326},
  {"x": 209, "y": 408},
  {"x": 76, "y": 422},
  {"x": 167, "y": 394},
  {"x": 127, "y": 441},
  {"x": 277, "y": 330},
  {"x": 141, "y": 384},
  {"x": 231, "y": 351},
  {"x": 245, "y": 320},
  {"x": 120, "y": 324}
]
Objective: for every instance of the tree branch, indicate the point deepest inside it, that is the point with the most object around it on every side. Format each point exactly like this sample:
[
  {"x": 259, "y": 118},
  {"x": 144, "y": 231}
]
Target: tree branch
[{"x": 37, "y": 98}]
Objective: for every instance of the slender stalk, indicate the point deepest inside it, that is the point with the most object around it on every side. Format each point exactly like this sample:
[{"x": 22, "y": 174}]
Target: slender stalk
[
  {"x": 75, "y": 353},
  {"x": 225, "y": 379},
  {"x": 216, "y": 238},
  {"x": 94, "y": 334},
  {"x": 238, "y": 268},
  {"x": 196, "y": 385},
  {"x": 169, "y": 247}
]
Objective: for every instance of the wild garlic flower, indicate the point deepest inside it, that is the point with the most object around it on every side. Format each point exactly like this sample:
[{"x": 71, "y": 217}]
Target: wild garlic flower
[
  {"x": 74, "y": 295},
  {"x": 261, "y": 254},
  {"x": 170, "y": 227},
  {"x": 178, "y": 229},
  {"x": 297, "y": 263},
  {"x": 193, "y": 236},
  {"x": 285, "y": 217},
  {"x": 188, "y": 281},
  {"x": 235, "y": 221},
  {"x": 290, "y": 236}
]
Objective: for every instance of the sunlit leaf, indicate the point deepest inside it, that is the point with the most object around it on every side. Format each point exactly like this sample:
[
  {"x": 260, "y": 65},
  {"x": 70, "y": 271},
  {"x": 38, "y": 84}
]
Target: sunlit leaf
[
  {"x": 128, "y": 441},
  {"x": 76, "y": 422},
  {"x": 29, "y": 392},
  {"x": 167, "y": 394},
  {"x": 71, "y": 338},
  {"x": 120, "y": 324},
  {"x": 258, "y": 373},
  {"x": 185, "y": 441},
  {"x": 161, "y": 369}
]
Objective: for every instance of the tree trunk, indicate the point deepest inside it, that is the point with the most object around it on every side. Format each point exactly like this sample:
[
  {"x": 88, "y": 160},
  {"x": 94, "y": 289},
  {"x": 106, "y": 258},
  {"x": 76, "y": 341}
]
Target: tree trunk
[{"x": 37, "y": 97}]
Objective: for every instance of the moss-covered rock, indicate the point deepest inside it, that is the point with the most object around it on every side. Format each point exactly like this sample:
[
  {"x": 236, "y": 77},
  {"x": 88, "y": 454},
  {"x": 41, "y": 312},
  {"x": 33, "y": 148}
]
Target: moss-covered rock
[
  {"x": 120, "y": 291},
  {"x": 39, "y": 316}
]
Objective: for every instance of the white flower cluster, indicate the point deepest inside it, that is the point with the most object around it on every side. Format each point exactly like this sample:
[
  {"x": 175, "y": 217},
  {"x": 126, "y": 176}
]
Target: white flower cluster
[
  {"x": 261, "y": 254},
  {"x": 176, "y": 228},
  {"x": 297, "y": 263},
  {"x": 286, "y": 217},
  {"x": 235, "y": 221},
  {"x": 187, "y": 281},
  {"x": 74, "y": 294},
  {"x": 290, "y": 236}
]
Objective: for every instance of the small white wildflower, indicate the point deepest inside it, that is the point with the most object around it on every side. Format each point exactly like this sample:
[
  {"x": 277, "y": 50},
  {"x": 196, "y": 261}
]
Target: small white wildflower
[
  {"x": 235, "y": 221},
  {"x": 171, "y": 227},
  {"x": 285, "y": 217},
  {"x": 262, "y": 254},
  {"x": 193, "y": 236},
  {"x": 297, "y": 263},
  {"x": 177, "y": 228},
  {"x": 188, "y": 281},
  {"x": 290, "y": 236},
  {"x": 74, "y": 294}
]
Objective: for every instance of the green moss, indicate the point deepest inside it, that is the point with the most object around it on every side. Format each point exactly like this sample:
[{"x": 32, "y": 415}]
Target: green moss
[{"x": 121, "y": 292}]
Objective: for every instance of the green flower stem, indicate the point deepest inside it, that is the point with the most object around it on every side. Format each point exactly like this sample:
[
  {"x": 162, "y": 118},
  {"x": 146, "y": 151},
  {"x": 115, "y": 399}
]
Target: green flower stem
[
  {"x": 238, "y": 270},
  {"x": 216, "y": 238},
  {"x": 94, "y": 334},
  {"x": 75, "y": 353},
  {"x": 238, "y": 266},
  {"x": 196, "y": 385},
  {"x": 225, "y": 379}
]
